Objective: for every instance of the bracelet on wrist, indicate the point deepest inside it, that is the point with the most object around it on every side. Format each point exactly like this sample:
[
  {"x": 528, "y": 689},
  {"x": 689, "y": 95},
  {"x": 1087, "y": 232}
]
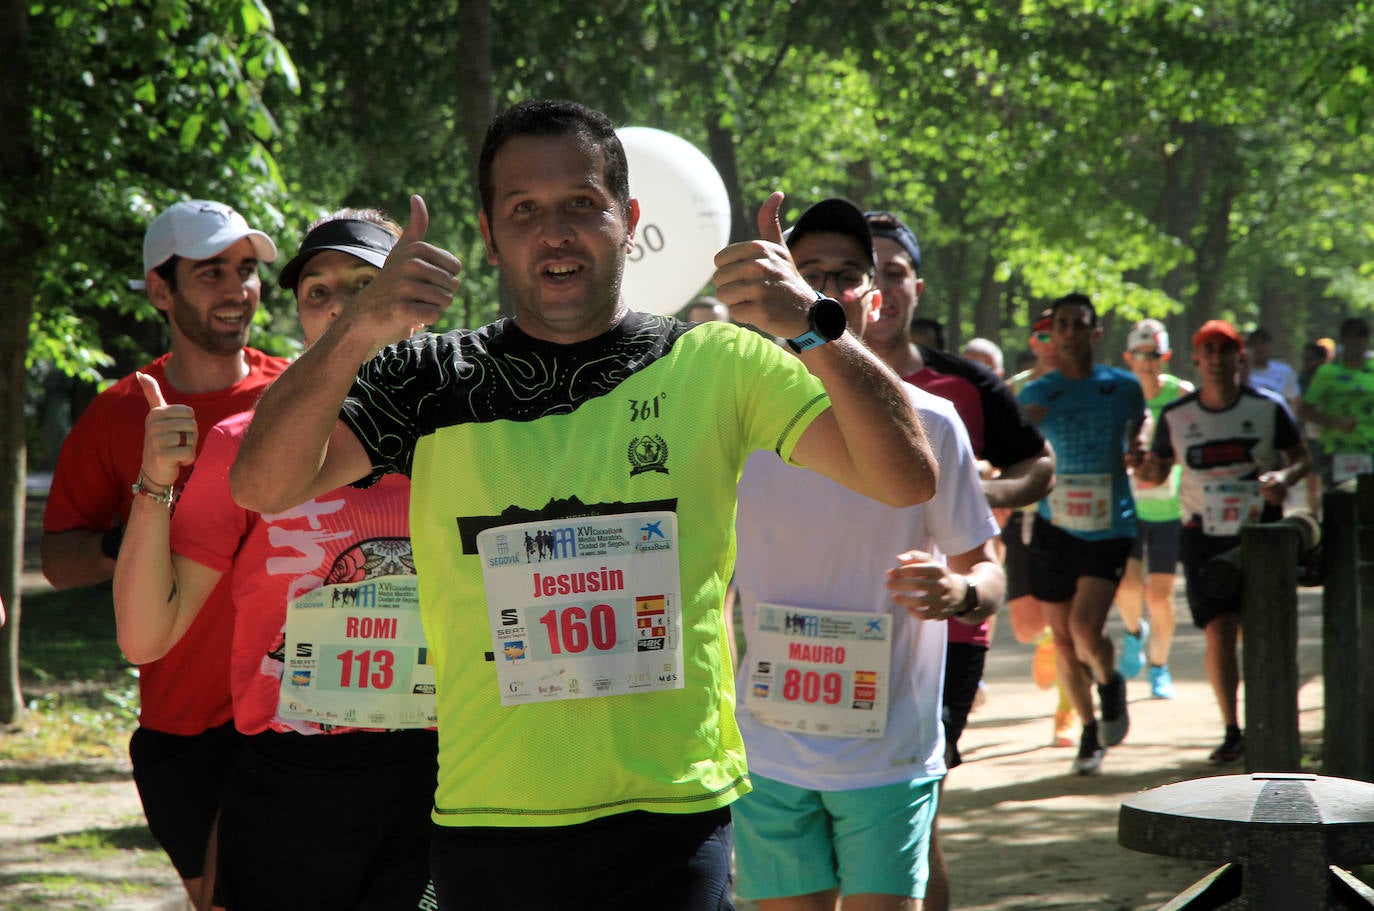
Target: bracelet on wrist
[{"x": 145, "y": 487}]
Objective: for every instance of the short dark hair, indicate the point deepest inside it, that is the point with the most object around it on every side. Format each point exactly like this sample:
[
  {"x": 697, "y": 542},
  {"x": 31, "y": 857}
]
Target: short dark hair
[
  {"x": 1075, "y": 299},
  {"x": 167, "y": 271},
  {"x": 1353, "y": 326},
  {"x": 926, "y": 324},
  {"x": 1260, "y": 334},
  {"x": 555, "y": 117}
]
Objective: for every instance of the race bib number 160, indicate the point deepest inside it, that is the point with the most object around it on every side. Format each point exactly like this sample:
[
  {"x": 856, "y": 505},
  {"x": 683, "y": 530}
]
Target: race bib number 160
[{"x": 584, "y": 607}]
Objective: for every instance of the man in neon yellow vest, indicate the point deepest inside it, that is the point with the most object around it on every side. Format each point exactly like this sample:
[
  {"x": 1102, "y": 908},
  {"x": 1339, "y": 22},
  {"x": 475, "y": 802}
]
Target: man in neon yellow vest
[{"x": 573, "y": 472}]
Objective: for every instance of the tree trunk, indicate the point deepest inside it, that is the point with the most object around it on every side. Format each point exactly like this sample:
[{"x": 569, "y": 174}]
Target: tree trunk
[
  {"x": 951, "y": 277},
  {"x": 1277, "y": 316},
  {"x": 721, "y": 142},
  {"x": 1186, "y": 175},
  {"x": 476, "y": 101},
  {"x": 18, "y": 249},
  {"x": 1214, "y": 247},
  {"x": 987, "y": 312}
]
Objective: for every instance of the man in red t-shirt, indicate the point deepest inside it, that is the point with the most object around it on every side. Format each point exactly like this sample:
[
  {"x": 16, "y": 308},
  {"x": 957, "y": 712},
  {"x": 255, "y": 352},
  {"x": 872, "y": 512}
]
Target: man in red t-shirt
[{"x": 201, "y": 262}]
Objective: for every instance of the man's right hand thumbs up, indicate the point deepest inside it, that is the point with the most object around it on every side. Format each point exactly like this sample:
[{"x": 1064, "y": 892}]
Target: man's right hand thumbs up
[
  {"x": 759, "y": 282},
  {"x": 414, "y": 288}
]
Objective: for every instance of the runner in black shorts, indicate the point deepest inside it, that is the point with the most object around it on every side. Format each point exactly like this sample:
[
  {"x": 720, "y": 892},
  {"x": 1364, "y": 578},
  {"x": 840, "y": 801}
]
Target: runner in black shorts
[
  {"x": 1149, "y": 589},
  {"x": 1091, "y": 414},
  {"x": 1241, "y": 451},
  {"x": 199, "y": 258}
]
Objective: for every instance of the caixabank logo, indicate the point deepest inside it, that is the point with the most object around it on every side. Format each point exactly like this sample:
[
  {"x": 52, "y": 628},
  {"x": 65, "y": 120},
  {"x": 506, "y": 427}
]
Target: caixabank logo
[{"x": 652, "y": 537}]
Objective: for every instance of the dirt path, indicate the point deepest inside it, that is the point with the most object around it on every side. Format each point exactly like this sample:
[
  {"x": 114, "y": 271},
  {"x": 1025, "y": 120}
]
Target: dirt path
[{"x": 1021, "y": 833}]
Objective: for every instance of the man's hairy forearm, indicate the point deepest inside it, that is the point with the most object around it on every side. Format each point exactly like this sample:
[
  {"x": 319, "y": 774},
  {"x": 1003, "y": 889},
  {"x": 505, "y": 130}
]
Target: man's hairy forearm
[{"x": 891, "y": 456}]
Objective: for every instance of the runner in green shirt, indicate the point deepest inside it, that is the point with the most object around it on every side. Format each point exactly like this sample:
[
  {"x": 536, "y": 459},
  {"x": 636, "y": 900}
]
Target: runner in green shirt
[{"x": 1149, "y": 579}]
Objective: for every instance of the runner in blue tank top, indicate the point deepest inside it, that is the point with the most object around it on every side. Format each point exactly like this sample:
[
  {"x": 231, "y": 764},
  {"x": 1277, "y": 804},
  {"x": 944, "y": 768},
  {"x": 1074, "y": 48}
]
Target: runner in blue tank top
[{"x": 1092, "y": 415}]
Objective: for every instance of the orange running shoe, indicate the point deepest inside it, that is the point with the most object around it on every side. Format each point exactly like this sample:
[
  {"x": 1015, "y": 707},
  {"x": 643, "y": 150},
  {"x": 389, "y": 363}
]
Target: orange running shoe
[
  {"x": 1065, "y": 721},
  {"x": 1045, "y": 664}
]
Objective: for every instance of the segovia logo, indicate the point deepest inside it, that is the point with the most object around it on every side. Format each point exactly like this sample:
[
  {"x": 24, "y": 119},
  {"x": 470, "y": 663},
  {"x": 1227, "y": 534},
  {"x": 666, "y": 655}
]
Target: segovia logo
[{"x": 647, "y": 453}]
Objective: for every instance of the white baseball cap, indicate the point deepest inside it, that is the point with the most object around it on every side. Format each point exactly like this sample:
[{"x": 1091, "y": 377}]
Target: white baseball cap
[
  {"x": 198, "y": 229},
  {"x": 1148, "y": 332}
]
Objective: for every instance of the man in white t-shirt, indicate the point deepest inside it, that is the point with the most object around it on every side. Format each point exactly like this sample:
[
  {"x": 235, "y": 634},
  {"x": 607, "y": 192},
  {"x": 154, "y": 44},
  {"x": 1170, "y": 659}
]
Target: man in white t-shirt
[
  {"x": 845, "y": 608},
  {"x": 1263, "y": 372},
  {"x": 1241, "y": 453}
]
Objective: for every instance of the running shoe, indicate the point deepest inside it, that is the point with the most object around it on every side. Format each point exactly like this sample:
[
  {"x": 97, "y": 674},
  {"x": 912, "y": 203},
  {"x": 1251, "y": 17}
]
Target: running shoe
[
  {"x": 1132, "y": 659},
  {"x": 1232, "y": 748},
  {"x": 1116, "y": 720},
  {"x": 1090, "y": 753},
  {"x": 1161, "y": 683},
  {"x": 1045, "y": 664}
]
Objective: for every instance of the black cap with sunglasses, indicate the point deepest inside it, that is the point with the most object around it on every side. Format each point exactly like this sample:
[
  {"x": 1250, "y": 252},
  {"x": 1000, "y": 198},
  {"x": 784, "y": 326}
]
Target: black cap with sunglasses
[{"x": 837, "y": 216}]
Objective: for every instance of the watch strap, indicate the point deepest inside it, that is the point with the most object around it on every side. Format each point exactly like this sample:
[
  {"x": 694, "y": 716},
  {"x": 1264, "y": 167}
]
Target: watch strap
[
  {"x": 806, "y": 341},
  {"x": 970, "y": 599},
  {"x": 813, "y": 337}
]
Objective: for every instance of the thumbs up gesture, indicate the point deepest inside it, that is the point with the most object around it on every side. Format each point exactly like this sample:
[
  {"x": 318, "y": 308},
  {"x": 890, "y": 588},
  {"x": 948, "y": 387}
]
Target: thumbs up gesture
[
  {"x": 169, "y": 435},
  {"x": 414, "y": 288},
  {"x": 759, "y": 282}
]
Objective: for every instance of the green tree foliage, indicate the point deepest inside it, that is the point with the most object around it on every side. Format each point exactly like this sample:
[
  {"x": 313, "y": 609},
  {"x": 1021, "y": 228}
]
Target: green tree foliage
[
  {"x": 136, "y": 105},
  {"x": 1169, "y": 157},
  {"x": 112, "y": 110}
]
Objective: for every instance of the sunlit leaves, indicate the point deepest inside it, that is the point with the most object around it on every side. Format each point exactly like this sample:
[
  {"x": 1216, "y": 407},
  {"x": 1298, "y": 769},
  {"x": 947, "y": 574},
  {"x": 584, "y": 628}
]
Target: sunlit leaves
[
  {"x": 1065, "y": 143},
  {"x": 137, "y": 104}
]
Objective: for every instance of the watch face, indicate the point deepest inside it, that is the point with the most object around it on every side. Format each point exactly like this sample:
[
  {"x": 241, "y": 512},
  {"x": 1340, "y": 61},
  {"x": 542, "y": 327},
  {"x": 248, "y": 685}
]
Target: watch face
[{"x": 827, "y": 316}]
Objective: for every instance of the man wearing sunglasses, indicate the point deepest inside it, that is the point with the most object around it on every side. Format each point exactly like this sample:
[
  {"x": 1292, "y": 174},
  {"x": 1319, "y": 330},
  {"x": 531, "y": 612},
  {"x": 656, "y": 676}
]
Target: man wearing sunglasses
[
  {"x": 1241, "y": 453},
  {"x": 1149, "y": 578},
  {"x": 1084, "y": 530}
]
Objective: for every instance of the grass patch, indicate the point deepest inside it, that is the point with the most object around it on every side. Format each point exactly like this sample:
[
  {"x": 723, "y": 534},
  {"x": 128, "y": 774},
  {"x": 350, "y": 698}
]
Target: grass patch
[
  {"x": 71, "y": 892},
  {"x": 81, "y": 695},
  {"x": 69, "y": 636},
  {"x": 92, "y": 843},
  {"x": 97, "y": 844},
  {"x": 82, "y": 703},
  {"x": 73, "y": 726}
]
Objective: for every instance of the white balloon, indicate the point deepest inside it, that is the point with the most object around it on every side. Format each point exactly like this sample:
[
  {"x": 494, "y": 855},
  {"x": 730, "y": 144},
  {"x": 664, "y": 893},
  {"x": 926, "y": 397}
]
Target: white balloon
[{"x": 684, "y": 220}]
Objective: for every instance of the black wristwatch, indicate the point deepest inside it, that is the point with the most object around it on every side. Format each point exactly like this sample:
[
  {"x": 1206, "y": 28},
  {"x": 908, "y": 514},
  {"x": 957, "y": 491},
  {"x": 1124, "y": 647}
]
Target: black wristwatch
[
  {"x": 970, "y": 600},
  {"x": 828, "y": 323}
]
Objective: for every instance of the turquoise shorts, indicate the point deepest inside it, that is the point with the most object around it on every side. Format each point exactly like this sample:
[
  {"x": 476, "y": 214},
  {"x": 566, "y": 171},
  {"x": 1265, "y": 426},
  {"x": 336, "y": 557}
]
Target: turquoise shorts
[{"x": 795, "y": 841}]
